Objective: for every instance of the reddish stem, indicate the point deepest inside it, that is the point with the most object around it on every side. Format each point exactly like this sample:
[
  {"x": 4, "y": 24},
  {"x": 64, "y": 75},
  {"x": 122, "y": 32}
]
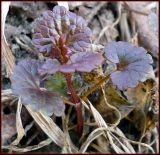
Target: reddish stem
[
  {"x": 62, "y": 51},
  {"x": 77, "y": 103}
]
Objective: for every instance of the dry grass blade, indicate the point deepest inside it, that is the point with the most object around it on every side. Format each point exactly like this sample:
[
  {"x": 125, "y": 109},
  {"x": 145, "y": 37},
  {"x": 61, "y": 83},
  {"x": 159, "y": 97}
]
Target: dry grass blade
[
  {"x": 49, "y": 127},
  {"x": 30, "y": 148},
  {"x": 92, "y": 136},
  {"x": 124, "y": 28},
  {"x": 125, "y": 148},
  {"x": 115, "y": 147},
  {"x": 129, "y": 146},
  {"x": 101, "y": 123},
  {"x": 142, "y": 144},
  {"x": 7, "y": 95},
  {"x": 119, "y": 133},
  {"x": 19, "y": 126},
  {"x": 6, "y": 52},
  {"x": 5, "y": 9},
  {"x": 8, "y": 57},
  {"x": 67, "y": 148}
]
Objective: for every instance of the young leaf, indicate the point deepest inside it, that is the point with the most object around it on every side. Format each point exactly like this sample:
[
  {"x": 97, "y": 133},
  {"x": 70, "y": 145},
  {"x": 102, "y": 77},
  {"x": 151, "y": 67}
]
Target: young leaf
[
  {"x": 133, "y": 64},
  {"x": 25, "y": 83},
  {"x": 82, "y": 62},
  {"x": 60, "y": 22},
  {"x": 57, "y": 83}
]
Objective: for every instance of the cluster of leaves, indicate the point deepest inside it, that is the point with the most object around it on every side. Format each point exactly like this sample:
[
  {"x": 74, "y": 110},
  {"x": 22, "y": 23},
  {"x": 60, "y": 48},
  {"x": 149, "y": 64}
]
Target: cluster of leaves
[{"x": 65, "y": 40}]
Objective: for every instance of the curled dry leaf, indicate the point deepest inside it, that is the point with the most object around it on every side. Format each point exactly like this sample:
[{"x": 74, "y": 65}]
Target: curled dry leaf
[
  {"x": 114, "y": 99},
  {"x": 25, "y": 83},
  {"x": 139, "y": 95},
  {"x": 133, "y": 64},
  {"x": 143, "y": 116}
]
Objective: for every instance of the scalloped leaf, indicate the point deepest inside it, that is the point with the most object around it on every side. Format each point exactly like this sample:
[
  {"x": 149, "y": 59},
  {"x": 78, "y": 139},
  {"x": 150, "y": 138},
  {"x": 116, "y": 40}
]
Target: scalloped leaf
[
  {"x": 133, "y": 64},
  {"x": 82, "y": 62},
  {"x": 25, "y": 83},
  {"x": 51, "y": 66},
  {"x": 54, "y": 24}
]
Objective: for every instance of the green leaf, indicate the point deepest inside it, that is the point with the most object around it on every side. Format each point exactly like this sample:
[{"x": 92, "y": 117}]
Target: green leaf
[{"x": 57, "y": 83}]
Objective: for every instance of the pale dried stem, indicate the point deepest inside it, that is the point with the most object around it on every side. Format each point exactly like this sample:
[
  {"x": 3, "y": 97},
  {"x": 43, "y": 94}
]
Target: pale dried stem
[{"x": 8, "y": 57}]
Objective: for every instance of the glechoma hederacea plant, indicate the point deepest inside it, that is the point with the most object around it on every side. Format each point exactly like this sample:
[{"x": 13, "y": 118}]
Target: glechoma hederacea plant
[{"x": 65, "y": 41}]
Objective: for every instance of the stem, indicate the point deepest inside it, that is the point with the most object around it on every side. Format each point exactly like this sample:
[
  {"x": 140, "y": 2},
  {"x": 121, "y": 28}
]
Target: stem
[{"x": 77, "y": 103}]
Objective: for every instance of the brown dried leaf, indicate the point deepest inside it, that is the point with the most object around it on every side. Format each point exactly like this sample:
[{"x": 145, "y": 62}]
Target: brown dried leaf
[
  {"x": 140, "y": 94},
  {"x": 143, "y": 116}
]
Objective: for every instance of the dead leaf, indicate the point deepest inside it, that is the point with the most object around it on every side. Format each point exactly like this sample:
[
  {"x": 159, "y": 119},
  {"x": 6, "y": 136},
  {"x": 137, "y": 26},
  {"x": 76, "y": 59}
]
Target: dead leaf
[
  {"x": 143, "y": 116},
  {"x": 141, "y": 93},
  {"x": 114, "y": 99}
]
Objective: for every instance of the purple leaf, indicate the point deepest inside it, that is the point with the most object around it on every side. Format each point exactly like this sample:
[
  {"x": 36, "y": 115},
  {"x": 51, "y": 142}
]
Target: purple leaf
[
  {"x": 82, "y": 62},
  {"x": 54, "y": 24},
  {"x": 51, "y": 66},
  {"x": 133, "y": 64},
  {"x": 25, "y": 83}
]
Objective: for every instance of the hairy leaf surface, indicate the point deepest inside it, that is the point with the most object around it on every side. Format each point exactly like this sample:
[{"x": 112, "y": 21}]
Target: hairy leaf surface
[{"x": 25, "y": 83}]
